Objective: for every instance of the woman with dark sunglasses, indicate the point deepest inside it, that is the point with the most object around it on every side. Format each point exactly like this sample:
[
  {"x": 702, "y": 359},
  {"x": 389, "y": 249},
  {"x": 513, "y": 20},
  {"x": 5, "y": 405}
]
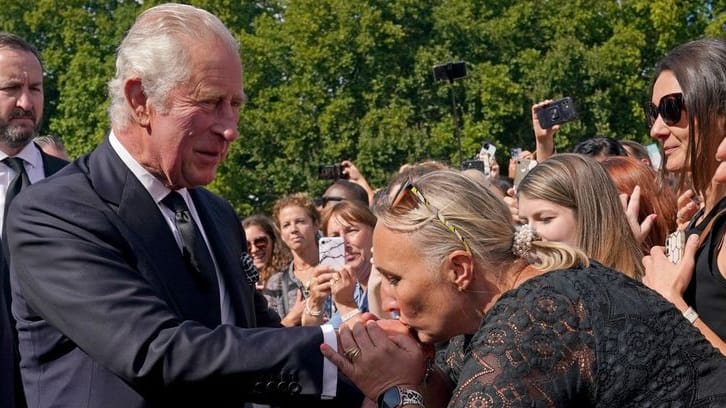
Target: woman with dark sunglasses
[
  {"x": 264, "y": 245},
  {"x": 687, "y": 115}
]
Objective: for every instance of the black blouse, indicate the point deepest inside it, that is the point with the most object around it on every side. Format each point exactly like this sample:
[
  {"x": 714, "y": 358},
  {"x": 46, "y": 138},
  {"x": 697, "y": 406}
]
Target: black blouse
[
  {"x": 706, "y": 291},
  {"x": 584, "y": 337}
]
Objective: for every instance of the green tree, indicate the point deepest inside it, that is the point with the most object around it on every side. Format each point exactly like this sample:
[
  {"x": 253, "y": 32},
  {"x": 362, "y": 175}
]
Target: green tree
[{"x": 329, "y": 80}]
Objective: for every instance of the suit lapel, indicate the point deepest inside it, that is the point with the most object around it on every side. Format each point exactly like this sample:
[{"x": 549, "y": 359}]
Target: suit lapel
[
  {"x": 156, "y": 252},
  {"x": 226, "y": 255}
]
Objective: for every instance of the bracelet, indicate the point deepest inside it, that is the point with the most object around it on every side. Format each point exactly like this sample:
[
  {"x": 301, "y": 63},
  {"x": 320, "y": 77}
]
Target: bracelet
[
  {"x": 690, "y": 315},
  {"x": 311, "y": 312},
  {"x": 347, "y": 316}
]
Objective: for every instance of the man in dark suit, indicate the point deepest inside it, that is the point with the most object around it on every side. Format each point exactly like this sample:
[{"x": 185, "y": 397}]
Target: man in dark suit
[
  {"x": 130, "y": 283},
  {"x": 21, "y": 111}
]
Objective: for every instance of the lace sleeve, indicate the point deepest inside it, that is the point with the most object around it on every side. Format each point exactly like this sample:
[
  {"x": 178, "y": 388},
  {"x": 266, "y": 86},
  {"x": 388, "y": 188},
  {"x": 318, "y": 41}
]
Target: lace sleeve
[{"x": 535, "y": 347}]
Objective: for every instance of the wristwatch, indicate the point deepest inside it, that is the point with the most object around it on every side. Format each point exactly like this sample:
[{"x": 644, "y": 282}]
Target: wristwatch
[{"x": 398, "y": 396}]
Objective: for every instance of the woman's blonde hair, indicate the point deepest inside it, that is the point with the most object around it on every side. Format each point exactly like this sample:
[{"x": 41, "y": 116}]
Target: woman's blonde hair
[
  {"x": 580, "y": 183},
  {"x": 483, "y": 221}
]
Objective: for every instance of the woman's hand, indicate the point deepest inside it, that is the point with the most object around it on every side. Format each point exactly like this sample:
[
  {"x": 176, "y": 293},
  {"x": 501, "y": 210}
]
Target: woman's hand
[
  {"x": 668, "y": 279},
  {"x": 343, "y": 286},
  {"x": 375, "y": 361},
  {"x": 631, "y": 205},
  {"x": 544, "y": 138},
  {"x": 687, "y": 208},
  {"x": 294, "y": 316},
  {"x": 513, "y": 205},
  {"x": 321, "y": 283}
]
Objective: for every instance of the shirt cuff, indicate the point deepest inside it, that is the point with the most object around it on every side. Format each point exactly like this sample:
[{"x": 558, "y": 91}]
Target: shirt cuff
[{"x": 330, "y": 371}]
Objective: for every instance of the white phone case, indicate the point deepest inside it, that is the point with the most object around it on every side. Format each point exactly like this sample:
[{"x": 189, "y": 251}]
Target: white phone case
[{"x": 332, "y": 252}]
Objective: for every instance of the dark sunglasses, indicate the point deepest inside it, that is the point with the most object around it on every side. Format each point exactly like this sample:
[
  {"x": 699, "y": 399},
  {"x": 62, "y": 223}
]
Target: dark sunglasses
[
  {"x": 669, "y": 108},
  {"x": 409, "y": 193},
  {"x": 259, "y": 243}
]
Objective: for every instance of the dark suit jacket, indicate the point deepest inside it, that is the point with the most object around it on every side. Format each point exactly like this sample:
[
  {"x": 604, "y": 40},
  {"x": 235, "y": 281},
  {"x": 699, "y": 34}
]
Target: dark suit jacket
[
  {"x": 11, "y": 391},
  {"x": 108, "y": 316}
]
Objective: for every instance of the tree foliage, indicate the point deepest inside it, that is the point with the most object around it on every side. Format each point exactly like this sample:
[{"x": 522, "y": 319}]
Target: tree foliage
[{"x": 329, "y": 80}]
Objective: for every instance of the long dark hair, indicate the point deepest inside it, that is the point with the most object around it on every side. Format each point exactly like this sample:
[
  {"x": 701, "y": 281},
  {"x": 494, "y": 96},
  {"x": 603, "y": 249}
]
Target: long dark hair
[{"x": 700, "y": 68}]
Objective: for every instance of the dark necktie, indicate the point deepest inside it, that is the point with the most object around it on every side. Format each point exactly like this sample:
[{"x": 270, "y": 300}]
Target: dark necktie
[
  {"x": 194, "y": 250},
  {"x": 19, "y": 182}
]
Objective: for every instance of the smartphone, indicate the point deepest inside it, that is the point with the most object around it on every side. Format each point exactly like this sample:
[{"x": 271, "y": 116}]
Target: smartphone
[
  {"x": 480, "y": 165},
  {"x": 522, "y": 167},
  {"x": 331, "y": 172},
  {"x": 487, "y": 151},
  {"x": 557, "y": 112},
  {"x": 331, "y": 252},
  {"x": 515, "y": 152},
  {"x": 675, "y": 245}
]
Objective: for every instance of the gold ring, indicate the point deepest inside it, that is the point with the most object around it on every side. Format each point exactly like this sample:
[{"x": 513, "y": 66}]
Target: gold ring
[{"x": 352, "y": 353}]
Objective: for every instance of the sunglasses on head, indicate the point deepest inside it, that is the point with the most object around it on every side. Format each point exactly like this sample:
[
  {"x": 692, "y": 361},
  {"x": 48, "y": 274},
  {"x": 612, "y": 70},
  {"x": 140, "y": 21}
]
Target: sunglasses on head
[
  {"x": 408, "y": 194},
  {"x": 669, "y": 108},
  {"x": 324, "y": 200}
]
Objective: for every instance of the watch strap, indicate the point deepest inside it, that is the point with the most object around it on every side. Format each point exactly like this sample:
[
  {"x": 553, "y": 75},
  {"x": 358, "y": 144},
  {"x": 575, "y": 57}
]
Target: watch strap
[
  {"x": 690, "y": 315},
  {"x": 398, "y": 396}
]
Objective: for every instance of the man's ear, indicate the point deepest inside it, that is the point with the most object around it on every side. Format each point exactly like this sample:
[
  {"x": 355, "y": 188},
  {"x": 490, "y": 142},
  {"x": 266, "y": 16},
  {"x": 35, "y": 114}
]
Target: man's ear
[
  {"x": 137, "y": 101},
  {"x": 460, "y": 269}
]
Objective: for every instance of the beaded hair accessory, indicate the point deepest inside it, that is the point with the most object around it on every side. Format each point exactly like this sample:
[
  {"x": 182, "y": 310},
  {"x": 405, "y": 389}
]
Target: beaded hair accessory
[{"x": 523, "y": 237}]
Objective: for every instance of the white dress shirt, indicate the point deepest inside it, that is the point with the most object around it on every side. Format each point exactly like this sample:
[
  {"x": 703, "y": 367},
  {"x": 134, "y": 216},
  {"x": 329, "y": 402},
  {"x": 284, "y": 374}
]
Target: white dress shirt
[{"x": 33, "y": 162}]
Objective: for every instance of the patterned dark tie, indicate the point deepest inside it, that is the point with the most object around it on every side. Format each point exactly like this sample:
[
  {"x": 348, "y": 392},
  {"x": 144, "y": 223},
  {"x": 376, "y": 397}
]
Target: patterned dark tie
[
  {"x": 194, "y": 249},
  {"x": 19, "y": 182}
]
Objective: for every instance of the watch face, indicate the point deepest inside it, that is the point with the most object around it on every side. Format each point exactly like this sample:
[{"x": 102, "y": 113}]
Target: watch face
[{"x": 391, "y": 398}]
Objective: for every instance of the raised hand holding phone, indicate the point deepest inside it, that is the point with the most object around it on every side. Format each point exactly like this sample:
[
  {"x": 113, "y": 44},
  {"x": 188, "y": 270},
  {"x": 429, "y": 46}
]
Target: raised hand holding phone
[{"x": 331, "y": 252}]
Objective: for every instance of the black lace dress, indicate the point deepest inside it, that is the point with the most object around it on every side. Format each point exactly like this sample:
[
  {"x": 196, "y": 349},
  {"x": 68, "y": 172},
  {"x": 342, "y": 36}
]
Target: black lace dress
[{"x": 584, "y": 337}]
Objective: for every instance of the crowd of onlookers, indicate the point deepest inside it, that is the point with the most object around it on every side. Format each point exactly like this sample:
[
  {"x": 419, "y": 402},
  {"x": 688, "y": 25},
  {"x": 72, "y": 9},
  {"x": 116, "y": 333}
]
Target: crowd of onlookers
[{"x": 605, "y": 198}]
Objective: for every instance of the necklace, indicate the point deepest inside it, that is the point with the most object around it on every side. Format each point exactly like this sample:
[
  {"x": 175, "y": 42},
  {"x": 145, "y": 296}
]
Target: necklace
[{"x": 303, "y": 277}]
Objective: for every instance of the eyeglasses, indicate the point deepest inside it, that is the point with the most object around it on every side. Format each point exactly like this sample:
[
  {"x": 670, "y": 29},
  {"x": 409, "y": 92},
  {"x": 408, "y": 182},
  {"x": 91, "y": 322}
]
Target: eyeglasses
[
  {"x": 260, "y": 243},
  {"x": 409, "y": 191},
  {"x": 669, "y": 108},
  {"x": 324, "y": 200}
]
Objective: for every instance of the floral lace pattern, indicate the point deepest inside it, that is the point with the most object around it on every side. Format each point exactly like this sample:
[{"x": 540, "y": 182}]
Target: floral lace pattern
[{"x": 584, "y": 337}]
